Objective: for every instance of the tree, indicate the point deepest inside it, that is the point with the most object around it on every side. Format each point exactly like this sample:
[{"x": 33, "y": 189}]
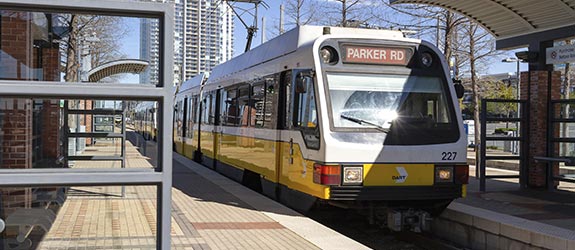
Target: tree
[
  {"x": 479, "y": 47},
  {"x": 352, "y": 13},
  {"x": 499, "y": 90},
  {"x": 302, "y": 12},
  {"x": 429, "y": 23},
  {"x": 106, "y": 30}
]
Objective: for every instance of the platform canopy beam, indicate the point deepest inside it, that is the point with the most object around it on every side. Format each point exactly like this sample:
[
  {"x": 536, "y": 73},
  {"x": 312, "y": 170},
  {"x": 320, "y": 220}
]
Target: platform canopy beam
[{"x": 526, "y": 23}]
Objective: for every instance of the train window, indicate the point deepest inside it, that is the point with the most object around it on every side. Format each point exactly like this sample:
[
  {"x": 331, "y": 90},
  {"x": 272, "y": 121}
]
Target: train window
[
  {"x": 207, "y": 103},
  {"x": 196, "y": 109},
  {"x": 179, "y": 117},
  {"x": 230, "y": 107},
  {"x": 413, "y": 109},
  {"x": 245, "y": 107},
  {"x": 285, "y": 116},
  {"x": 189, "y": 117},
  {"x": 212, "y": 109},
  {"x": 271, "y": 103},
  {"x": 304, "y": 109},
  {"x": 259, "y": 103}
]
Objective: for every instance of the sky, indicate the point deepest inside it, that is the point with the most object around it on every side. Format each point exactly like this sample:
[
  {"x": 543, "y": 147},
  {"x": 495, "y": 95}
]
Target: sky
[
  {"x": 130, "y": 46},
  {"x": 272, "y": 14}
]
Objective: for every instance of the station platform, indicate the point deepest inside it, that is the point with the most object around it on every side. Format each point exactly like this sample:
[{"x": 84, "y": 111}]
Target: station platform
[
  {"x": 209, "y": 211},
  {"x": 507, "y": 217}
]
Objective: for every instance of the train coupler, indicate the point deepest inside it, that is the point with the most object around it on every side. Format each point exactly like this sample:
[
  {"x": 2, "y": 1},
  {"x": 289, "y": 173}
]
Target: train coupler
[{"x": 412, "y": 220}]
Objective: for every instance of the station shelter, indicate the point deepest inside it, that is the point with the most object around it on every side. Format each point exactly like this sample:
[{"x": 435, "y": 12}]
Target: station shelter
[
  {"x": 45, "y": 47},
  {"x": 536, "y": 25}
]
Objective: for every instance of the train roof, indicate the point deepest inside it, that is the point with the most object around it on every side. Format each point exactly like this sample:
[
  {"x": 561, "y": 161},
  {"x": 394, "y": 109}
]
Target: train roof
[
  {"x": 194, "y": 81},
  {"x": 290, "y": 41}
]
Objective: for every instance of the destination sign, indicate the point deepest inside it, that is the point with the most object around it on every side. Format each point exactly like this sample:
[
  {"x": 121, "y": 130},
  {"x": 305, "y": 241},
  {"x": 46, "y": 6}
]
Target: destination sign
[{"x": 376, "y": 55}]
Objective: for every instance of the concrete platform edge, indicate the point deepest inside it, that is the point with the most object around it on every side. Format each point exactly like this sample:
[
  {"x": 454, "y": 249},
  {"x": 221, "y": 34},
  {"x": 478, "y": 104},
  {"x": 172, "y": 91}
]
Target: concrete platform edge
[
  {"x": 317, "y": 234},
  {"x": 485, "y": 229}
]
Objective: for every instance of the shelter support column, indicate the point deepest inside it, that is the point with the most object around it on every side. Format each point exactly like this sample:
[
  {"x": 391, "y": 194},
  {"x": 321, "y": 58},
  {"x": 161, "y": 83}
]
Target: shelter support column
[{"x": 540, "y": 87}]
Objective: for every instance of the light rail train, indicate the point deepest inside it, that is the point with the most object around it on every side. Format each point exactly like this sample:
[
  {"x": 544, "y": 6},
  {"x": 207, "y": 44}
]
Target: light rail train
[
  {"x": 145, "y": 120},
  {"x": 356, "y": 118}
]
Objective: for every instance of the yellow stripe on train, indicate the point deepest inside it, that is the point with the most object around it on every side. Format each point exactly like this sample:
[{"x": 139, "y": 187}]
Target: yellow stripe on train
[{"x": 398, "y": 174}]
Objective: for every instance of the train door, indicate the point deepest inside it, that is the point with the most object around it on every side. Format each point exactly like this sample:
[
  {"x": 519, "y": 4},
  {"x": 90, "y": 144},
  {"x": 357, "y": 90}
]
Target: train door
[
  {"x": 179, "y": 125},
  {"x": 301, "y": 133},
  {"x": 197, "y": 136},
  {"x": 282, "y": 150},
  {"x": 190, "y": 122},
  {"x": 218, "y": 130},
  {"x": 207, "y": 130},
  {"x": 185, "y": 127}
]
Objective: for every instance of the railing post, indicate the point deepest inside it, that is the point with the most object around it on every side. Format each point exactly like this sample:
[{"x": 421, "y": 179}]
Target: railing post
[
  {"x": 523, "y": 168},
  {"x": 482, "y": 146},
  {"x": 550, "y": 182}
]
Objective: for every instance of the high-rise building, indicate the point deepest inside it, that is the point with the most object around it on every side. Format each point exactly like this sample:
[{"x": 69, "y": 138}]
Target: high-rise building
[{"x": 203, "y": 38}]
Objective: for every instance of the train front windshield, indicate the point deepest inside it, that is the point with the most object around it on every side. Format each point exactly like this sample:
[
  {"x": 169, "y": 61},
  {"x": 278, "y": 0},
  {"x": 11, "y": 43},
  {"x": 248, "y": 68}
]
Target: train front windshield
[{"x": 410, "y": 109}]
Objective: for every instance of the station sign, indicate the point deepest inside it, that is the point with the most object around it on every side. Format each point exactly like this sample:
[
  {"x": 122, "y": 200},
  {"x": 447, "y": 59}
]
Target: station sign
[
  {"x": 376, "y": 55},
  {"x": 561, "y": 54}
]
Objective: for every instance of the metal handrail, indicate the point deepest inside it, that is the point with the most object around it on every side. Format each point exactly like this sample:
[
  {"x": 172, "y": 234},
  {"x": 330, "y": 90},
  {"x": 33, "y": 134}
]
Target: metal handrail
[
  {"x": 522, "y": 139},
  {"x": 550, "y": 159}
]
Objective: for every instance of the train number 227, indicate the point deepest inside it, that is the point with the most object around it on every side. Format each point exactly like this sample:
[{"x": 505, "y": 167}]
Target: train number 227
[{"x": 448, "y": 156}]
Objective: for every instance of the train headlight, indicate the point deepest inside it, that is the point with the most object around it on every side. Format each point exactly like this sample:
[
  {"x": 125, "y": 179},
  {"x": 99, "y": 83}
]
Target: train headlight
[
  {"x": 352, "y": 175},
  {"x": 444, "y": 174},
  {"x": 426, "y": 59},
  {"x": 328, "y": 55}
]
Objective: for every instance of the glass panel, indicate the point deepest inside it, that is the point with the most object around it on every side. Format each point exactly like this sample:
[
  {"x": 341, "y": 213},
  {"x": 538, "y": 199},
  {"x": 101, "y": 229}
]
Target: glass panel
[
  {"x": 380, "y": 99},
  {"x": 499, "y": 129},
  {"x": 192, "y": 117},
  {"x": 409, "y": 109},
  {"x": 503, "y": 109},
  {"x": 37, "y": 133},
  {"x": 71, "y": 217},
  {"x": 564, "y": 110},
  {"x": 566, "y": 129},
  {"x": 179, "y": 117},
  {"x": 244, "y": 106},
  {"x": 230, "y": 111},
  {"x": 565, "y": 149},
  {"x": 305, "y": 112},
  {"x": 65, "y": 47},
  {"x": 259, "y": 103}
]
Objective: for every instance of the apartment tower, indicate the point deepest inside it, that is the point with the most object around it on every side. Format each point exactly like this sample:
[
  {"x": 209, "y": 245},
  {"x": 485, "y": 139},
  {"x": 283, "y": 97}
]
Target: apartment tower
[{"x": 203, "y": 38}]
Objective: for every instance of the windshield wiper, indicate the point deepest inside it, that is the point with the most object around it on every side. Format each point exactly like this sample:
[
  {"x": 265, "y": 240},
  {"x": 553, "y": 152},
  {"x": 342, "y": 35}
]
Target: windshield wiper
[{"x": 364, "y": 122}]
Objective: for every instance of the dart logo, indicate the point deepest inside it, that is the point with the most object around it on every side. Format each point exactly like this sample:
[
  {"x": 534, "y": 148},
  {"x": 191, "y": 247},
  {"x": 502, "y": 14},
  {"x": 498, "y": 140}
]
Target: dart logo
[{"x": 402, "y": 175}]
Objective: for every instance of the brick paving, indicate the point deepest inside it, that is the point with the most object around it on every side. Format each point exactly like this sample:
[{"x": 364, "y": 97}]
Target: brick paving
[{"x": 204, "y": 216}]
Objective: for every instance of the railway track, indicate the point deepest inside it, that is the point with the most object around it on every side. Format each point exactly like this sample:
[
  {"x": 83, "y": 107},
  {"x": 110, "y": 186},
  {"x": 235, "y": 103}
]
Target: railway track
[
  {"x": 356, "y": 226},
  {"x": 425, "y": 241}
]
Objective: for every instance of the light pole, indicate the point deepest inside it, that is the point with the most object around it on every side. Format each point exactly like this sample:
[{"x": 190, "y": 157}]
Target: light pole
[
  {"x": 515, "y": 149},
  {"x": 518, "y": 73}
]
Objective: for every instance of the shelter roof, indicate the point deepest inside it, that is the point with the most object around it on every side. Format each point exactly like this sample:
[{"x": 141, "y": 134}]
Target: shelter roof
[
  {"x": 117, "y": 67},
  {"x": 510, "y": 21}
]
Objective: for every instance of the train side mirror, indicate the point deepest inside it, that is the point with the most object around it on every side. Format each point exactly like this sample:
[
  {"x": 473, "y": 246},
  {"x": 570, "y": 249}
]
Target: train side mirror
[
  {"x": 300, "y": 84},
  {"x": 459, "y": 89}
]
